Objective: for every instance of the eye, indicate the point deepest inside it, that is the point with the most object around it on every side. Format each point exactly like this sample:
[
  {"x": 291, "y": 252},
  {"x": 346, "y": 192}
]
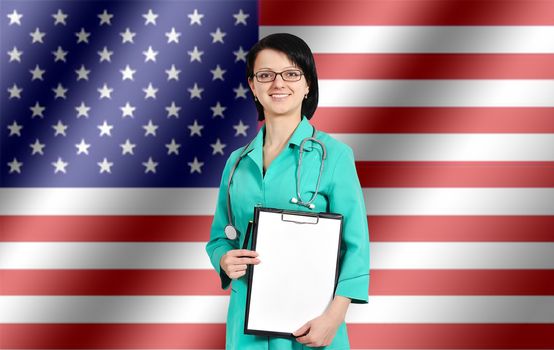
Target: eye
[
  {"x": 264, "y": 75},
  {"x": 292, "y": 74}
]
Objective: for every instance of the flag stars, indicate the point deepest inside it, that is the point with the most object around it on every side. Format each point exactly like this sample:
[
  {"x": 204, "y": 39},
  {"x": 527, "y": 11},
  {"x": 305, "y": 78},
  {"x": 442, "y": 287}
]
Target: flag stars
[
  {"x": 82, "y": 36},
  {"x": 195, "y": 17},
  {"x": 218, "y": 110},
  {"x": 82, "y": 73},
  {"x": 217, "y": 73},
  {"x": 196, "y": 129},
  {"x": 240, "y": 128},
  {"x": 82, "y": 147},
  {"x": 240, "y": 92},
  {"x": 82, "y": 110},
  {"x": 150, "y": 128},
  {"x": 172, "y": 73},
  {"x": 60, "y": 128},
  {"x": 218, "y": 147},
  {"x": 105, "y": 92},
  {"x": 128, "y": 73},
  {"x": 105, "y": 129},
  {"x": 37, "y": 147},
  {"x": 37, "y": 73},
  {"x": 150, "y": 166},
  {"x": 15, "y": 18},
  {"x": 37, "y": 110},
  {"x": 60, "y": 17},
  {"x": 105, "y": 55},
  {"x": 15, "y": 129},
  {"x": 37, "y": 36},
  {"x": 195, "y": 55},
  {"x": 150, "y": 92},
  {"x": 150, "y": 54},
  {"x": 15, "y": 92},
  {"x": 173, "y": 36},
  {"x": 217, "y": 36},
  {"x": 60, "y": 166},
  {"x": 150, "y": 17},
  {"x": 127, "y": 110},
  {"x": 240, "y": 18},
  {"x": 127, "y": 147},
  {"x": 173, "y": 110},
  {"x": 15, "y": 54},
  {"x": 15, "y": 166},
  {"x": 173, "y": 147},
  {"x": 196, "y": 166},
  {"x": 240, "y": 54},
  {"x": 105, "y": 166},
  {"x": 60, "y": 92},
  {"x": 195, "y": 92},
  {"x": 105, "y": 18},
  {"x": 59, "y": 54},
  {"x": 127, "y": 36}
]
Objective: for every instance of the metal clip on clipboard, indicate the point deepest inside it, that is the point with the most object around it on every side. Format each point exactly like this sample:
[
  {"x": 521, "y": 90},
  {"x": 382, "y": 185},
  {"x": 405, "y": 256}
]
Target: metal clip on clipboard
[{"x": 297, "y": 219}]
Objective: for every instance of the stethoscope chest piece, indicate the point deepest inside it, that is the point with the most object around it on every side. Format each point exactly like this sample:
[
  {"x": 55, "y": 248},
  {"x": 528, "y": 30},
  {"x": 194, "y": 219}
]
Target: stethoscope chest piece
[{"x": 230, "y": 232}]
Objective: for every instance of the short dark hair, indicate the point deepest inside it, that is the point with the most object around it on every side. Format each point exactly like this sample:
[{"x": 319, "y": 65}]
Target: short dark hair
[{"x": 298, "y": 53}]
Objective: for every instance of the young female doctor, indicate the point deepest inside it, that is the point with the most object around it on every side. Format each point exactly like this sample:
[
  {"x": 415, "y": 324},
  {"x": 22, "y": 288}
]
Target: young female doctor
[{"x": 282, "y": 76}]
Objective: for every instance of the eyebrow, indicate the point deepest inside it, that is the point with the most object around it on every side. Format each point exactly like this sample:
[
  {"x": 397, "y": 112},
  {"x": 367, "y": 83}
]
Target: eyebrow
[{"x": 294, "y": 67}]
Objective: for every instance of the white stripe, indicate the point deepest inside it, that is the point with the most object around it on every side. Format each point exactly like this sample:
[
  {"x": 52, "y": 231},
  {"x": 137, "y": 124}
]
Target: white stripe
[
  {"x": 212, "y": 309},
  {"x": 436, "y": 93},
  {"x": 182, "y": 201},
  {"x": 180, "y": 255},
  {"x": 422, "y": 39},
  {"x": 450, "y": 147}
]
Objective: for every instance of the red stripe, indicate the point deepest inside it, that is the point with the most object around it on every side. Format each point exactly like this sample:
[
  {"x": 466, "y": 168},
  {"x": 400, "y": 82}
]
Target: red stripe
[
  {"x": 172, "y": 229},
  {"x": 456, "y": 174},
  {"x": 434, "y": 120},
  {"x": 212, "y": 336},
  {"x": 406, "y": 12},
  {"x": 206, "y": 282},
  {"x": 435, "y": 66}
]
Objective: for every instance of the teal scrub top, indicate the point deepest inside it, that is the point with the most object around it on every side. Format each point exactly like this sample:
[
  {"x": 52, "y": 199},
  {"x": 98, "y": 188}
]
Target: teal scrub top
[{"x": 340, "y": 192}]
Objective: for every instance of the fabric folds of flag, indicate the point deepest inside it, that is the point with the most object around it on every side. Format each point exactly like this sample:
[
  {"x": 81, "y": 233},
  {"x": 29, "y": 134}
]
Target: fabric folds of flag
[{"x": 117, "y": 117}]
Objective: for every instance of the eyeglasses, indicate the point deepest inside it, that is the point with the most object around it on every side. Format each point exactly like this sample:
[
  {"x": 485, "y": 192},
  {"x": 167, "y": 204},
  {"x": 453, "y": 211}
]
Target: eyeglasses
[{"x": 268, "y": 76}]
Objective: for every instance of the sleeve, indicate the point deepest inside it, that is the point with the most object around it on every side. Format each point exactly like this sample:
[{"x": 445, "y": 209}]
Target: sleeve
[
  {"x": 346, "y": 198},
  {"x": 218, "y": 244}
]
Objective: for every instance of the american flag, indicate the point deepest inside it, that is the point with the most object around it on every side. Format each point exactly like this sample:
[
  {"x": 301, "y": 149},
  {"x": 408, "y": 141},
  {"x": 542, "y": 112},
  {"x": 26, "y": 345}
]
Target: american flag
[{"x": 448, "y": 105}]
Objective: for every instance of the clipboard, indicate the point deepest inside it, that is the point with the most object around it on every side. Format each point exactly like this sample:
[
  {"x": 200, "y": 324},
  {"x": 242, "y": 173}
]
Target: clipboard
[{"x": 297, "y": 277}]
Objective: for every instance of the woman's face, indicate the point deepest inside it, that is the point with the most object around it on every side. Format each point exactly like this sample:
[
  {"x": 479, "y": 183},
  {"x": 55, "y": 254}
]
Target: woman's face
[{"x": 279, "y": 97}]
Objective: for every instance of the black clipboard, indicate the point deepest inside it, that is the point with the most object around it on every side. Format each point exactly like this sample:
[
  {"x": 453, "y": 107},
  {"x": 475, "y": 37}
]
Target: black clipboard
[{"x": 297, "y": 277}]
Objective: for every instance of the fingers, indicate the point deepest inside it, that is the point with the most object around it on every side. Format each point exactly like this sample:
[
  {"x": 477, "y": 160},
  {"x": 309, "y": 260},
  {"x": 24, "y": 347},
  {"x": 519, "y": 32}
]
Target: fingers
[
  {"x": 302, "y": 331},
  {"x": 242, "y": 253}
]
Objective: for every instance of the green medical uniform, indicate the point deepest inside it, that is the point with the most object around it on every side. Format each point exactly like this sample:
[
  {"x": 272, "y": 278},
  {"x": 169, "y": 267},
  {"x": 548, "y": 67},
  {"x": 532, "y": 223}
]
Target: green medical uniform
[{"x": 340, "y": 192}]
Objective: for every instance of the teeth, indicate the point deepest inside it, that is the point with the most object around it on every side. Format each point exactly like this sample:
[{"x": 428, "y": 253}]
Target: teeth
[{"x": 279, "y": 95}]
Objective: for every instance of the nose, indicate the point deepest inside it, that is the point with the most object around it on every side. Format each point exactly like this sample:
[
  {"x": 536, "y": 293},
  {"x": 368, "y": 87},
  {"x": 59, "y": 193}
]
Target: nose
[{"x": 279, "y": 80}]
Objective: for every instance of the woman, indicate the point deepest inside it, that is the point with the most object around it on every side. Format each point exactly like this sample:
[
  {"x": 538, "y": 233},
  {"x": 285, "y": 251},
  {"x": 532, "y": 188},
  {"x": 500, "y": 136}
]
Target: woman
[{"x": 282, "y": 76}]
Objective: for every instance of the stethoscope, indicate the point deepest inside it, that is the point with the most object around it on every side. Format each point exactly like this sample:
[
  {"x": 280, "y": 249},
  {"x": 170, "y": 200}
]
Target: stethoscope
[{"x": 230, "y": 230}]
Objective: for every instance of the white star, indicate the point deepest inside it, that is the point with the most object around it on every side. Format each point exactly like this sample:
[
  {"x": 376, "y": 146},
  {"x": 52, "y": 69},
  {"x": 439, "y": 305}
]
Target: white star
[
  {"x": 15, "y": 129},
  {"x": 240, "y": 18},
  {"x": 173, "y": 36},
  {"x": 15, "y": 54},
  {"x": 172, "y": 147},
  {"x": 150, "y": 128},
  {"x": 15, "y": 166},
  {"x": 196, "y": 166},
  {"x": 15, "y": 18},
  {"x": 172, "y": 73},
  {"x": 82, "y": 110},
  {"x": 105, "y": 166},
  {"x": 127, "y": 36},
  {"x": 105, "y": 129},
  {"x": 240, "y": 92},
  {"x": 218, "y": 147},
  {"x": 150, "y": 17},
  {"x": 218, "y": 73},
  {"x": 218, "y": 36},
  {"x": 105, "y": 92},
  {"x": 37, "y": 147},
  {"x": 105, "y": 55},
  {"x": 105, "y": 18},
  {"x": 82, "y": 36},
  {"x": 240, "y": 54},
  {"x": 196, "y": 129},
  {"x": 37, "y": 110},
  {"x": 127, "y": 110},
  {"x": 37, "y": 73},
  {"x": 195, "y": 17},
  {"x": 60, "y": 165},
  {"x": 15, "y": 92},
  {"x": 82, "y": 147},
  {"x": 60, "y": 17},
  {"x": 60, "y": 91},
  {"x": 195, "y": 55},
  {"x": 240, "y": 128},
  {"x": 150, "y": 91},
  {"x": 195, "y": 92},
  {"x": 150, "y": 54},
  {"x": 128, "y": 73},
  {"x": 218, "y": 110},
  {"x": 82, "y": 73},
  {"x": 150, "y": 166},
  {"x": 59, "y": 54},
  {"x": 127, "y": 147},
  {"x": 173, "y": 110},
  {"x": 59, "y": 129},
  {"x": 37, "y": 36}
]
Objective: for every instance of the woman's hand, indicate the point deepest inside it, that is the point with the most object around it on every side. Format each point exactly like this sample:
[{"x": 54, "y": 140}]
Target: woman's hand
[
  {"x": 321, "y": 330},
  {"x": 234, "y": 262}
]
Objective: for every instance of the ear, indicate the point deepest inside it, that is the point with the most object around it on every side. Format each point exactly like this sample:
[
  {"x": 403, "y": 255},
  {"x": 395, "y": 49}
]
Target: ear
[{"x": 252, "y": 86}]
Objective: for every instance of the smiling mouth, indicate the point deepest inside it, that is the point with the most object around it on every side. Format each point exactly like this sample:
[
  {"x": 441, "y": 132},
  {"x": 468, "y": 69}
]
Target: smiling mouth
[{"x": 279, "y": 96}]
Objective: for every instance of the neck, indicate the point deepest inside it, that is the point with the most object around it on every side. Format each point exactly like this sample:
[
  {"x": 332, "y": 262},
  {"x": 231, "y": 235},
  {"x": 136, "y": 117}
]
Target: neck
[{"x": 279, "y": 130}]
